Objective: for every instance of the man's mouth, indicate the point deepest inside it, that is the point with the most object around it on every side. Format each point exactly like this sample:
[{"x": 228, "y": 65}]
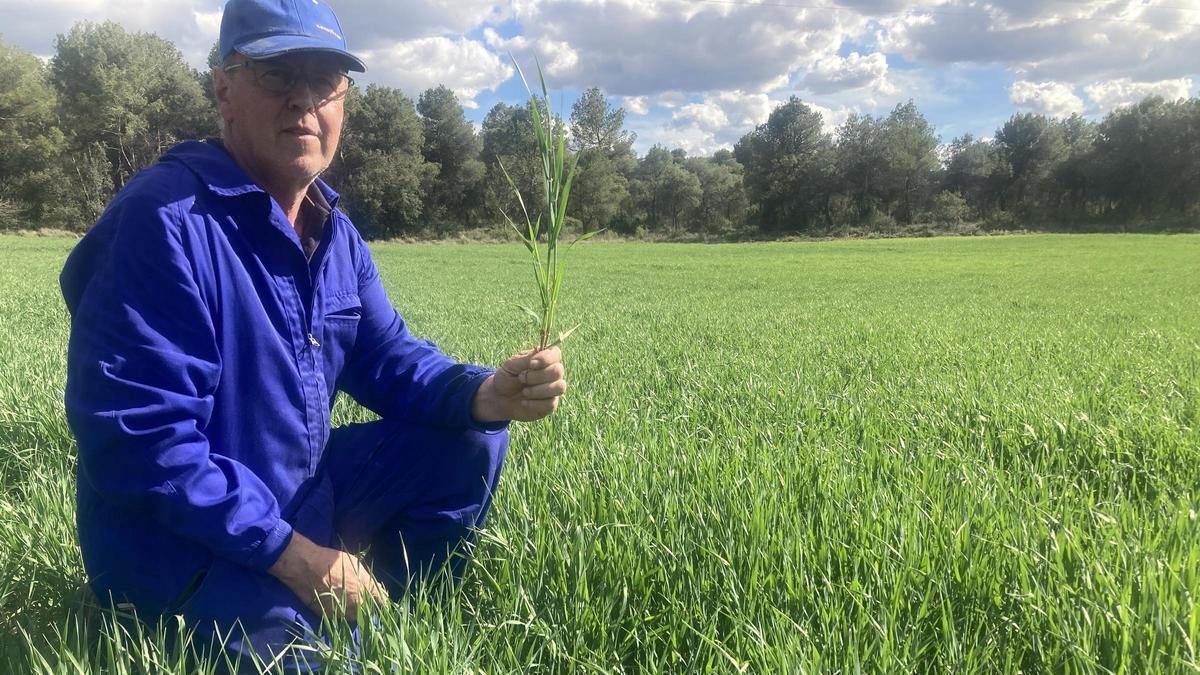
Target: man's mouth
[{"x": 301, "y": 131}]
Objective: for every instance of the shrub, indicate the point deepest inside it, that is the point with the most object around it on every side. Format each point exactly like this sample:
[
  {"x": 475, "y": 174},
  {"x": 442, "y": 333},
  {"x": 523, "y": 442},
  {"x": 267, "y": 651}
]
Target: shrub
[{"x": 948, "y": 208}]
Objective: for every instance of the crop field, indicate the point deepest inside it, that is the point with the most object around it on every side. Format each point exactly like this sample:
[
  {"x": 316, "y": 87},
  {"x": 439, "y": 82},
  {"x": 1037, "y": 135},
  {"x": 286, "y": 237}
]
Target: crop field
[{"x": 949, "y": 455}]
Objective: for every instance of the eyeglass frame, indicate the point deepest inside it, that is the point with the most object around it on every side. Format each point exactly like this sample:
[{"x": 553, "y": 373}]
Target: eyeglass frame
[{"x": 298, "y": 74}]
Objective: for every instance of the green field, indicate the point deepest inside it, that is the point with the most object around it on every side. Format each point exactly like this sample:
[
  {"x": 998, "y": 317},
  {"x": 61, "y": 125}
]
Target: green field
[{"x": 928, "y": 455}]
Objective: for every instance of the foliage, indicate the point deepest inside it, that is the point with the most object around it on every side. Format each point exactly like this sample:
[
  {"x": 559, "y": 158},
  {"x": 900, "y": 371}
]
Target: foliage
[
  {"x": 601, "y": 189},
  {"x": 861, "y": 159},
  {"x": 380, "y": 162},
  {"x": 602, "y": 181},
  {"x": 598, "y": 127},
  {"x": 1148, "y": 157},
  {"x": 131, "y": 93},
  {"x": 1030, "y": 144},
  {"x": 910, "y": 161},
  {"x": 34, "y": 183},
  {"x": 110, "y": 102},
  {"x": 722, "y": 203},
  {"x": 664, "y": 189},
  {"x": 976, "y": 170},
  {"x": 29, "y": 136},
  {"x": 788, "y": 164},
  {"x": 948, "y": 208},
  {"x": 452, "y": 146},
  {"x": 508, "y": 139}
]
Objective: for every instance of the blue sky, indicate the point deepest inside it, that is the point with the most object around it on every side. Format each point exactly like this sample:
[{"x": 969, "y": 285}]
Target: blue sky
[{"x": 698, "y": 74}]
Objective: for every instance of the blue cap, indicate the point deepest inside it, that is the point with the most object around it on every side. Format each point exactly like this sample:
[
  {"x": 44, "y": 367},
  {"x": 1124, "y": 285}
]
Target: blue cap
[{"x": 262, "y": 29}]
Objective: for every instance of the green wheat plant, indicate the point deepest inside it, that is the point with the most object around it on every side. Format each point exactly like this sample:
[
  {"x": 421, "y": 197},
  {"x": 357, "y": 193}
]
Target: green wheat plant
[
  {"x": 932, "y": 455},
  {"x": 548, "y": 258}
]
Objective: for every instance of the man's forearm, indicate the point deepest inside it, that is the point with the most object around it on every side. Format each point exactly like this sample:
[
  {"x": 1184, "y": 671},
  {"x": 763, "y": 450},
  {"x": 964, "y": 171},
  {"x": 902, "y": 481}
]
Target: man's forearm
[{"x": 325, "y": 577}]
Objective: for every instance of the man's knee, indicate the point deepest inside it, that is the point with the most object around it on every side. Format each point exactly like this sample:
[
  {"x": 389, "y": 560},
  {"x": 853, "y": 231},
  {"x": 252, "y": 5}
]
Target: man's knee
[
  {"x": 483, "y": 456},
  {"x": 466, "y": 473},
  {"x": 244, "y": 615}
]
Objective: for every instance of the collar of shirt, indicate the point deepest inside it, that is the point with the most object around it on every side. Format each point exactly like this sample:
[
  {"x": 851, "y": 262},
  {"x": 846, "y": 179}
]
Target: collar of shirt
[{"x": 221, "y": 174}]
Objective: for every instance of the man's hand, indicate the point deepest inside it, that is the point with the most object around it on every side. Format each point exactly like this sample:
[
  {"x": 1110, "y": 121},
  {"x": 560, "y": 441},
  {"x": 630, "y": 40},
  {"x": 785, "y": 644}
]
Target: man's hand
[
  {"x": 322, "y": 577},
  {"x": 526, "y": 388}
]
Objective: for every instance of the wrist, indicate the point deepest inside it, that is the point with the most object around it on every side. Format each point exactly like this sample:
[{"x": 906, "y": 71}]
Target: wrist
[
  {"x": 485, "y": 406},
  {"x": 291, "y": 564}
]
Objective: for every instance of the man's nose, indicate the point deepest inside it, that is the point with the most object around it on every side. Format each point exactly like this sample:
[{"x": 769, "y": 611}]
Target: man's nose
[{"x": 301, "y": 95}]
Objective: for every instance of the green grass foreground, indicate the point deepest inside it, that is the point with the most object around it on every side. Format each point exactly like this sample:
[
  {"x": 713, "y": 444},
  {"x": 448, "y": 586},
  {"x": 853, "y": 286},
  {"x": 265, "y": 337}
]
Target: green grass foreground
[{"x": 934, "y": 455}]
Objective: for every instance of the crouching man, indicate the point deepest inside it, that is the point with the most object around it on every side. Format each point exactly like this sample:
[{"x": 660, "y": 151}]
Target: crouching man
[{"x": 218, "y": 306}]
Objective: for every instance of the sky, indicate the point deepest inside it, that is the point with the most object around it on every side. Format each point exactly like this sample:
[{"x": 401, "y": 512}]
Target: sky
[{"x": 699, "y": 74}]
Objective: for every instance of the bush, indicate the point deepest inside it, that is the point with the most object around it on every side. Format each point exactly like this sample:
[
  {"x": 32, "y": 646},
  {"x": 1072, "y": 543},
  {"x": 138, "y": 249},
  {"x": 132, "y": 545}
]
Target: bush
[
  {"x": 948, "y": 208},
  {"x": 624, "y": 224},
  {"x": 10, "y": 215},
  {"x": 878, "y": 221}
]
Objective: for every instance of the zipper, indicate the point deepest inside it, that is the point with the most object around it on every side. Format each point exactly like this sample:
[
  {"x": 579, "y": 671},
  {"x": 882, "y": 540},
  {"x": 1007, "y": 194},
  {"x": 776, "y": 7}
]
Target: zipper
[
  {"x": 314, "y": 287},
  {"x": 314, "y": 279}
]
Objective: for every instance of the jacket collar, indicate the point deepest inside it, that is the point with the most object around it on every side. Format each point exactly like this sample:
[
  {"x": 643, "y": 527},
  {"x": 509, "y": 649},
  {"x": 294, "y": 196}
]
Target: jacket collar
[{"x": 216, "y": 168}]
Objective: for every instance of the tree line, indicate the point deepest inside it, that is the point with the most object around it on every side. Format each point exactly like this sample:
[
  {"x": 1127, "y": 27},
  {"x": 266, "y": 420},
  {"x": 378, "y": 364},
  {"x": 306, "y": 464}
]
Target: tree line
[{"x": 109, "y": 102}]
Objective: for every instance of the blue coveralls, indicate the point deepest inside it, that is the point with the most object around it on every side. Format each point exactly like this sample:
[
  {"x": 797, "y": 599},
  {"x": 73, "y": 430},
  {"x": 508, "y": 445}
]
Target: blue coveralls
[{"x": 206, "y": 351}]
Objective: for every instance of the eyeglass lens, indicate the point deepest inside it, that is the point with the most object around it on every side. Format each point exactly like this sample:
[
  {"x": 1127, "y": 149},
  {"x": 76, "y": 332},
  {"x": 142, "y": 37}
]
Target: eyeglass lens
[{"x": 279, "y": 79}]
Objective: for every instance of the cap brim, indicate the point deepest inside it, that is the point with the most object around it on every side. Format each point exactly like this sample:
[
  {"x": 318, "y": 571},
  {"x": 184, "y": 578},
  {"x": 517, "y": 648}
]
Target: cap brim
[{"x": 270, "y": 47}]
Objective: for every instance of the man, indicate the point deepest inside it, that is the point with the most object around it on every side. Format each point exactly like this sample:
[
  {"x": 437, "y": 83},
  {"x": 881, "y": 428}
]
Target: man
[{"x": 217, "y": 307}]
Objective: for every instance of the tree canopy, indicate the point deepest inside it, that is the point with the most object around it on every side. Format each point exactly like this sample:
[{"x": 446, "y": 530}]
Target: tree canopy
[{"x": 110, "y": 102}]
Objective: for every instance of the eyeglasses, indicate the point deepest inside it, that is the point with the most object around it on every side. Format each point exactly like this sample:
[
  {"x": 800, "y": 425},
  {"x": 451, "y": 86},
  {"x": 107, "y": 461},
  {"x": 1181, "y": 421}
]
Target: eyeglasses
[{"x": 278, "y": 79}]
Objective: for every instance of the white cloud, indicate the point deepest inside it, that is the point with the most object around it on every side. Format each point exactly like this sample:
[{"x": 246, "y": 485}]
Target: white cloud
[
  {"x": 706, "y": 117},
  {"x": 1056, "y": 99},
  {"x": 831, "y": 118},
  {"x": 647, "y": 47},
  {"x": 194, "y": 25},
  {"x": 370, "y": 24},
  {"x": 695, "y": 142},
  {"x": 719, "y": 120},
  {"x": 670, "y": 99},
  {"x": 834, "y": 73},
  {"x": 636, "y": 104},
  {"x": 1116, "y": 93},
  {"x": 1055, "y": 40},
  {"x": 187, "y": 23},
  {"x": 465, "y": 66},
  {"x": 555, "y": 57},
  {"x": 745, "y": 110}
]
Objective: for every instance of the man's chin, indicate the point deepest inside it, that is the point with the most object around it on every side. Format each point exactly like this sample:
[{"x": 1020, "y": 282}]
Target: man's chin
[{"x": 303, "y": 170}]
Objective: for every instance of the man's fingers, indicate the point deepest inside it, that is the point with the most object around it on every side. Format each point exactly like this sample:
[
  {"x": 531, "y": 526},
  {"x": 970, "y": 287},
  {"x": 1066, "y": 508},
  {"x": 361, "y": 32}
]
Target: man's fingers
[
  {"x": 537, "y": 409},
  {"x": 517, "y": 363},
  {"x": 375, "y": 588},
  {"x": 551, "y": 373},
  {"x": 551, "y": 390},
  {"x": 532, "y": 360}
]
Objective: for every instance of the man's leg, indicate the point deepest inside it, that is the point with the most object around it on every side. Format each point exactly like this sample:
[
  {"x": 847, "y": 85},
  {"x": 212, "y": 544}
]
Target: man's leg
[
  {"x": 242, "y": 611},
  {"x": 411, "y": 495}
]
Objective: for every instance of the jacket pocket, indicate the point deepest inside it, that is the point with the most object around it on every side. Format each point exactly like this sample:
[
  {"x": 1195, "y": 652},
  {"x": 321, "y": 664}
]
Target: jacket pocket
[
  {"x": 343, "y": 307},
  {"x": 189, "y": 592}
]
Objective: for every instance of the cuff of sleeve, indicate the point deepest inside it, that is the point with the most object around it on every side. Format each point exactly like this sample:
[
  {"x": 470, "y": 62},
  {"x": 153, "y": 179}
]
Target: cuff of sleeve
[
  {"x": 263, "y": 557},
  {"x": 470, "y": 389}
]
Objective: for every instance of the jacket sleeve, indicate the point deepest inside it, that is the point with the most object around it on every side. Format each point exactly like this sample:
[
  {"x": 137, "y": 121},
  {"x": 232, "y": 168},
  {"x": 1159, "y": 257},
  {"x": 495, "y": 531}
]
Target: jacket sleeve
[
  {"x": 400, "y": 376},
  {"x": 142, "y": 369}
]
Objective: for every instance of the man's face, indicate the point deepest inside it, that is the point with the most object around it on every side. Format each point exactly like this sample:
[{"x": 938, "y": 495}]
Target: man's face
[{"x": 282, "y": 124}]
